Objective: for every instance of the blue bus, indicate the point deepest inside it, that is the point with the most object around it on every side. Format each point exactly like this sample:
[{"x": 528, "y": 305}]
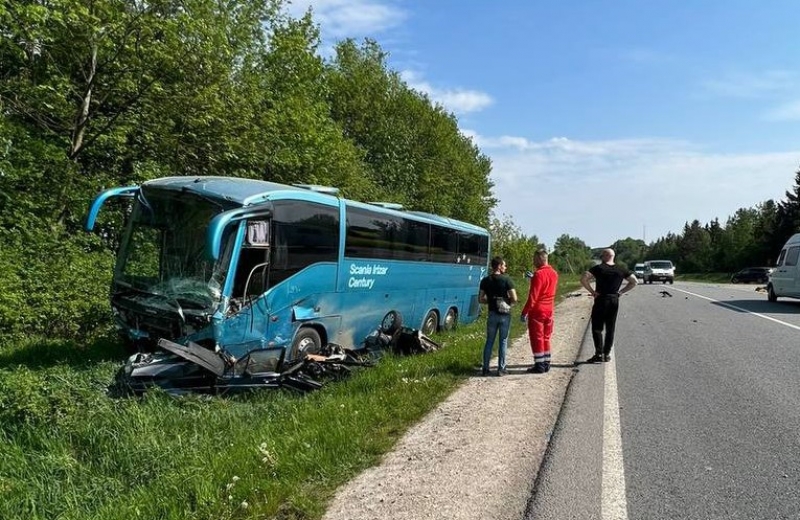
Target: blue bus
[{"x": 237, "y": 265}]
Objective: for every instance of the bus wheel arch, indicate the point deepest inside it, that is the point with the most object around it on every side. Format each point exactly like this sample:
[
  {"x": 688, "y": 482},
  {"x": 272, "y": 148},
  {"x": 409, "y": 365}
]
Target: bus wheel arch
[
  {"x": 308, "y": 340},
  {"x": 391, "y": 323},
  {"x": 430, "y": 325},
  {"x": 450, "y": 319}
]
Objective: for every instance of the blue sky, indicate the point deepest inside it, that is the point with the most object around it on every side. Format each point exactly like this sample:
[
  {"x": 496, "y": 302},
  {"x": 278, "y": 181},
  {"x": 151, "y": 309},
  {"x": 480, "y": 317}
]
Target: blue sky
[{"x": 604, "y": 119}]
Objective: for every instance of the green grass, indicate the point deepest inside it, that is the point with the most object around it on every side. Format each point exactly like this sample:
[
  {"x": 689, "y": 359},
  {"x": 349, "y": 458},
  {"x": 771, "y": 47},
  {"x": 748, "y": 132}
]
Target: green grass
[{"x": 70, "y": 452}]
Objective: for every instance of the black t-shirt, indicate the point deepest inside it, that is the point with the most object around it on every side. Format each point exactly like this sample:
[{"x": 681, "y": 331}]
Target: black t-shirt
[
  {"x": 608, "y": 278},
  {"x": 496, "y": 285}
]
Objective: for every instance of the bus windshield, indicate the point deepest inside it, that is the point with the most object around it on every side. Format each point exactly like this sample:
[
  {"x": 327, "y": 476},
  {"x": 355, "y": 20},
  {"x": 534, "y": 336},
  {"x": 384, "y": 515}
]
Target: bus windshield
[{"x": 163, "y": 251}]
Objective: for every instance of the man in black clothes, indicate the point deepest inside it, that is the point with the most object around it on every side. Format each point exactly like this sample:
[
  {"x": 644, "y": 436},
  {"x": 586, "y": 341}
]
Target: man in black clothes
[{"x": 608, "y": 278}]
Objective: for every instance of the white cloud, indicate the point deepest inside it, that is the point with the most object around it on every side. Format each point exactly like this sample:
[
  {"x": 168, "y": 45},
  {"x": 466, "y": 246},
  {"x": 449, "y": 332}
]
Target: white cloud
[
  {"x": 785, "y": 112},
  {"x": 350, "y": 18},
  {"x": 742, "y": 85},
  {"x": 457, "y": 100},
  {"x": 603, "y": 191}
]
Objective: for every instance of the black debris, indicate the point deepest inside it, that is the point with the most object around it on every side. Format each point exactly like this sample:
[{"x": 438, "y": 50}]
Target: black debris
[{"x": 180, "y": 369}]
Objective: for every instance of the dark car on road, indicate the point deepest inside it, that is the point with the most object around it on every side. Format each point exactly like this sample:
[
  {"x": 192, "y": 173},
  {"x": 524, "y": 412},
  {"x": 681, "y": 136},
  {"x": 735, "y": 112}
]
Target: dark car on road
[{"x": 752, "y": 275}]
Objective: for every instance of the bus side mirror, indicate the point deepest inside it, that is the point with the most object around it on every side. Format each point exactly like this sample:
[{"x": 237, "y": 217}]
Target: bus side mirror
[{"x": 258, "y": 233}]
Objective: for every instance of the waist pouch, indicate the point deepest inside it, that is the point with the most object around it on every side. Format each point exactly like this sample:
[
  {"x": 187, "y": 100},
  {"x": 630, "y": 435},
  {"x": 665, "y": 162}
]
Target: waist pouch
[{"x": 502, "y": 306}]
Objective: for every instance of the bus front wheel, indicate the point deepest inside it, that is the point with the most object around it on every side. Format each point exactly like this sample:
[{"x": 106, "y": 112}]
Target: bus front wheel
[
  {"x": 307, "y": 341},
  {"x": 430, "y": 324},
  {"x": 450, "y": 319}
]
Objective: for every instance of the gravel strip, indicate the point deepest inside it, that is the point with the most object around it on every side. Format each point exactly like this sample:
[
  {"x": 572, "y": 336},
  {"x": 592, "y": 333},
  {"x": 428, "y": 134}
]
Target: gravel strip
[{"x": 477, "y": 454}]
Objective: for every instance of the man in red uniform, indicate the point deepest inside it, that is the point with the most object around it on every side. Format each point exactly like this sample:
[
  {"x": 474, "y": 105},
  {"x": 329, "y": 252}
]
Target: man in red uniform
[{"x": 538, "y": 311}]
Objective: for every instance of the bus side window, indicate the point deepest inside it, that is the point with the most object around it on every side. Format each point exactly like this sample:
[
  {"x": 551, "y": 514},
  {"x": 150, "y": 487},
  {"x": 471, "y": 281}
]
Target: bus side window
[{"x": 303, "y": 234}]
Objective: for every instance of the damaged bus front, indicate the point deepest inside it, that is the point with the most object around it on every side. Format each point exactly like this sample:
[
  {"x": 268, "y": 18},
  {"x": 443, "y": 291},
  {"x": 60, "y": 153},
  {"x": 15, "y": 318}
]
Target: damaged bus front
[
  {"x": 176, "y": 255},
  {"x": 236, "y": 266}
]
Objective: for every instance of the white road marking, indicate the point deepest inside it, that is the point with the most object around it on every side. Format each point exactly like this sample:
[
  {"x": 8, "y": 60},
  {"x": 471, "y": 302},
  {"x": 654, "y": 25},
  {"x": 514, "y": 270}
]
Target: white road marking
[
  {"x": 614, "y": 505},
  {"x": 735, "y": 307}
]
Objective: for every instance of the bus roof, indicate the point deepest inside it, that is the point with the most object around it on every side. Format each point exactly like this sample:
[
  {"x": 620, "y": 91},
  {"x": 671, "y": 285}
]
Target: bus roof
[
  {"x": 235, "y": 190},
  {"x": 246, "y": 192}
]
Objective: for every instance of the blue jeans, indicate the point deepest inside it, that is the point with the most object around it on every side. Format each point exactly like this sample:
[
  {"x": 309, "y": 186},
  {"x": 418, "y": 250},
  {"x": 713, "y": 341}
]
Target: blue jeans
[{"x": 495, "y": 323}]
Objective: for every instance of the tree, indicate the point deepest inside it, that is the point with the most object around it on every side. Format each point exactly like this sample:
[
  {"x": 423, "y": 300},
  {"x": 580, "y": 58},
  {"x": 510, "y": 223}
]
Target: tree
[
  {"x": 509, "y": 242},
  {"x": 788, "y": 216},
  {"x": 571, "y": 255},
  {"x": 737, "y": 241},
  {"x": 288, "y": 134},
  {"x": 768, "y": 237},
  {"x": 665, "y": 248},
  {"x": 629, "y": 251},
  {"x": 694, "y": 248}
]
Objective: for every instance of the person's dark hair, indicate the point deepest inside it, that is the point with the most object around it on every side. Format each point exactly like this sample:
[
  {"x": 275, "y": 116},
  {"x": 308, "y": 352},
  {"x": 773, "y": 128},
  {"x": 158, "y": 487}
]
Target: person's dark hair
[{"x": 496, "y": 262}]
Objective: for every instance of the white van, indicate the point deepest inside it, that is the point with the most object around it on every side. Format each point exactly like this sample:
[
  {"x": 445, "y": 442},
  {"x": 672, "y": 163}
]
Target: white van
[
  {"x": 785, "y": 278},
  {"x": 659, "y": 271},
  {"x": 638, "y": 270}
]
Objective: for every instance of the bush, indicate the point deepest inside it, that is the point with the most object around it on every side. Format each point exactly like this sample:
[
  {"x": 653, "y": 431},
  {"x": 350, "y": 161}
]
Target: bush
[{"x": 53, "y": 284}]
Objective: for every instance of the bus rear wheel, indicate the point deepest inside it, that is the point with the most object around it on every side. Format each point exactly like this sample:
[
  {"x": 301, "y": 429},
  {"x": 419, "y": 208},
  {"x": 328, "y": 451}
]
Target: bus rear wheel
[
  {"x": 450, "y": 319},
  {"x": 307, "y": 341},
  {"x": 430, "y": 324}
]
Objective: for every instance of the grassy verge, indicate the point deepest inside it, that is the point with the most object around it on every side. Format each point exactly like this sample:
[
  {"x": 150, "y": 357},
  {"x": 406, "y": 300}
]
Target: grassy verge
[
  {"x": 704, "y": 277},
  {"x": 70, "y": 452}
]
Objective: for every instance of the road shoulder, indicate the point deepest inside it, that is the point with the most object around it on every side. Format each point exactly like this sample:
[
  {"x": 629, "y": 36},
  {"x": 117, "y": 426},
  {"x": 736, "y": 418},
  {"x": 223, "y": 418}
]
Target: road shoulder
[{"x": 477, "y": 454}]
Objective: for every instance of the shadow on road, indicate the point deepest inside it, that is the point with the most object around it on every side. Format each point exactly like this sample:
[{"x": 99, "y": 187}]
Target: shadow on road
[{"x": 763, "y": 307}]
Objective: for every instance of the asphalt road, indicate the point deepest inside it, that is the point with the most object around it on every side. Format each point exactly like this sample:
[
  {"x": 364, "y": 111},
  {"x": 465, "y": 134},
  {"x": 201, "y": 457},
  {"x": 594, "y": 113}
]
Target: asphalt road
[{"x": 697, "y": 416}]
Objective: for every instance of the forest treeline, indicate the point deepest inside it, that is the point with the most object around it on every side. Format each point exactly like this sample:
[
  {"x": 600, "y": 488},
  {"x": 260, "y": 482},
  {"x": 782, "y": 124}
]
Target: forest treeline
[
  {"x": 103, "y": 93},
  {"x": 115, "y": 92}
]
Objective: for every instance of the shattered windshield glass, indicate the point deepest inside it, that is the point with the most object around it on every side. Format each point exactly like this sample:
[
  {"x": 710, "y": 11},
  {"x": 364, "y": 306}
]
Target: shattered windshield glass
[{"x": 163, "y": 252}]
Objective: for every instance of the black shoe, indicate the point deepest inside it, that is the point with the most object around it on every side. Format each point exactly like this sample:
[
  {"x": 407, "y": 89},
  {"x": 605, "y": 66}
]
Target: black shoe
[
  {"x": 538, "y": 368},
  {"x": 606, "y": 358},
  {"x": 503, "y": 372},
  {"x": 485, "y": 372},
  {"x": 597, "y": 358}
]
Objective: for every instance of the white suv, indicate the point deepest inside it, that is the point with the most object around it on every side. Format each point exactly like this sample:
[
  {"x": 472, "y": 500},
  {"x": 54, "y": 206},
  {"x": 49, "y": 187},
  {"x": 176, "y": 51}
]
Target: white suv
[{"x": 659, "y": 271}]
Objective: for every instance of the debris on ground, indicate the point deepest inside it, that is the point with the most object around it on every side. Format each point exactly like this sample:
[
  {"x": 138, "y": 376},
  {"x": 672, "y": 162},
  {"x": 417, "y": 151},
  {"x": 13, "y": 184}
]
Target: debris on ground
[
  {"x": 180, "y": 369},
  {"x": 665, "y": 294},
  {"x": 407, "y": 341}
]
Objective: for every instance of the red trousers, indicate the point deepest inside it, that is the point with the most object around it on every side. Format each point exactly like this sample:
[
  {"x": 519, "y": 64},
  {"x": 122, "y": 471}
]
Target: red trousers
[{"x": 540, "y": 329}]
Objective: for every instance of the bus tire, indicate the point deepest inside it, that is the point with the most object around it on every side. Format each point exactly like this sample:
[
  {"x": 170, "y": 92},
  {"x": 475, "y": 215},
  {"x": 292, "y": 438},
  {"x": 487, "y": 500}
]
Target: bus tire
[
  {"x": 431, "y": 323},
  {"x": 306, "y": 341},
  {"x": 450, "y": 319},
  {"x": 391, "y": 323}
]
